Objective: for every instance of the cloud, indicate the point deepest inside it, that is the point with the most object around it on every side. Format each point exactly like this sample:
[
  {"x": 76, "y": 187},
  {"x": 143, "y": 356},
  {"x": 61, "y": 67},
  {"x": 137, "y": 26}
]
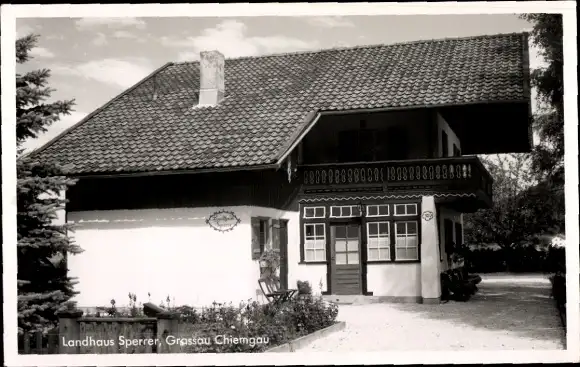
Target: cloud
[
  {"x": 59, "y": 37},
  {"x": 118, "y": 73},
  {"x": 24, "y": 30},
  {"x": 230, "y": 39},
  {"x": 100, "y": 39},
  {"x": 121, "y": 22},
  {"x": 42, "y": 53},
  {"x": 58, "y": 127},
  {"x": 128, "y": 35},
  {"x": 330, "y": 22}
]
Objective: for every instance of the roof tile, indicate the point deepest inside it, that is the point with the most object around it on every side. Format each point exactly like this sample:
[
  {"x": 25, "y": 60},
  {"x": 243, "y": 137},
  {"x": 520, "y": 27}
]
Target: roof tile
[{"x": 155, "y": 125}]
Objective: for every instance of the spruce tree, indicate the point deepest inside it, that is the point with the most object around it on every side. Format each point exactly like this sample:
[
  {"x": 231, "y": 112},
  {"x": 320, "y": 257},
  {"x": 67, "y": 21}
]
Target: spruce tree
[{"x": 43, "y": 245}]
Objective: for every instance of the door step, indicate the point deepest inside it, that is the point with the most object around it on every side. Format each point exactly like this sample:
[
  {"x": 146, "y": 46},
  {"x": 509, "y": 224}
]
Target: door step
[{"x": 351, "y": 299}]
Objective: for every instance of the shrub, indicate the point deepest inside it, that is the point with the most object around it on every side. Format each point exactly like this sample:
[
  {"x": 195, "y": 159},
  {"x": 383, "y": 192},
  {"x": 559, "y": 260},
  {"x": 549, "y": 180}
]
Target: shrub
[
  {"x": 558, "y": 281},
  {"x": 304, "y": 287},
  {"x": 523, "y": 258},
  {"x": 267, "y": 325},
  {"x": 258, "y": 326}
]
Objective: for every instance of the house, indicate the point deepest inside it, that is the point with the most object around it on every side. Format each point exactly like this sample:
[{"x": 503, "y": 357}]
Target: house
[{"x": 355, "y": 163}]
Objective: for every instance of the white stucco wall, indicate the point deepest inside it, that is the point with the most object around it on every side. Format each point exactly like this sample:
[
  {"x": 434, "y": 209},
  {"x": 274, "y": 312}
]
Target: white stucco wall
[
  {"x": 442, "y": 125},
  {"x": 455, "y": 217},
  {"x": 163, "y": 252},
  {"x": 174, "y": 252},
  {"x": 394, "y": 280}
]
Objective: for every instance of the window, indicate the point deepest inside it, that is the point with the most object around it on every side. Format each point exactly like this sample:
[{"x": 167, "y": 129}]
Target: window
[
  {"x": 315, "y": 212},
  {"x": 444, "y": 144},
  {"x": 405, "y": 209},
  {"x": 407, "y": 239},
  {"x": 378, "y": 241},
  {"x": 377, "y": 210},
  {"x": 347, "y": 211},
  {"x": 314, "y": 242},
  {"x": 260, "y": 236},
  {"x": 356, "y": 145},
  {"x": 448, "y": 236},
  {"x": 458, "y": 233}
]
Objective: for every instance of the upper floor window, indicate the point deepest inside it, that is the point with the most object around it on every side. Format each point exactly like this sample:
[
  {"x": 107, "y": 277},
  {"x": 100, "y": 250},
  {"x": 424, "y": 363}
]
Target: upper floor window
[
  {"x": 363, "y": 145},
  {"x": 444, "y": 144},
  {"x": 405, "y": 209},
  {"x": 314, "y": 212}
]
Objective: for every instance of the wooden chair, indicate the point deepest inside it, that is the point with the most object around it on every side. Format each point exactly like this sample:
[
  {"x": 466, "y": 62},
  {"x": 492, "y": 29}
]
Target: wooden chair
[{"x": 271, "y": 290}]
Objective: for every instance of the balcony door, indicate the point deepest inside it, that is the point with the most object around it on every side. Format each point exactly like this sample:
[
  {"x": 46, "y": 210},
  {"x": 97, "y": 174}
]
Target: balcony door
[{"x": 345, "y": 266}]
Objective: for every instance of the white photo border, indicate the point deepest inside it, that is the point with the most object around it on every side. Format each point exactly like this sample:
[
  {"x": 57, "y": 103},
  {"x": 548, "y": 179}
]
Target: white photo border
[{"x": 9, "y": 14}]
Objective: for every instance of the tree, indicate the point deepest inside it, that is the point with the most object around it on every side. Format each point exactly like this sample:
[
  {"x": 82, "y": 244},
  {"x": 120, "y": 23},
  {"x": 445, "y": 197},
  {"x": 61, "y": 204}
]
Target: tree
[
  {"x": 548, "y": 155},
  {"x": 510, "y": 220},
  {"x": 43, "y": 284}
]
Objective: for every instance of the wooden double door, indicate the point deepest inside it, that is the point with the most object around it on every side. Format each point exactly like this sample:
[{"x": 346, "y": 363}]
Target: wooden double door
[{"x": 345, "y": 259}]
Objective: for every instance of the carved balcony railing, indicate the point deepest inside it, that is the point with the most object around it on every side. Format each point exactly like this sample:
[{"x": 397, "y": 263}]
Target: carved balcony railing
[{"x": 453, "y": 173}]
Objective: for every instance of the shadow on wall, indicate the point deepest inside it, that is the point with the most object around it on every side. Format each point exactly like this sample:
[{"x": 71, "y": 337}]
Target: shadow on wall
[
  {"x": 182, "y": 217},
  {"x": 525, "y": 309}
]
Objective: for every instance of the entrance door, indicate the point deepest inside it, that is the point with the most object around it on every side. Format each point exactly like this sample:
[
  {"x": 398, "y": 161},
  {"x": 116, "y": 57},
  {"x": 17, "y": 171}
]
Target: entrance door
[{"x": 345, "y": 268}]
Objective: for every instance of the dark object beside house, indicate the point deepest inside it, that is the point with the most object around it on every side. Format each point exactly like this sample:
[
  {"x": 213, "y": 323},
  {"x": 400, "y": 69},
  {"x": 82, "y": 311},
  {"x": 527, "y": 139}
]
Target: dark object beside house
[
  {"x": 458, "y": 285},
  {"x": 559, "y": 294},
  {"x": 273, "y": 293}
]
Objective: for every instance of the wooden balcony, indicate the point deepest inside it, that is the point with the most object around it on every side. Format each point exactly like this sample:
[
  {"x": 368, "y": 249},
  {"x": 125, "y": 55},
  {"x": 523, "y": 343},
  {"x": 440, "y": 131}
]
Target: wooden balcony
[{"x": 464, "y": 176}]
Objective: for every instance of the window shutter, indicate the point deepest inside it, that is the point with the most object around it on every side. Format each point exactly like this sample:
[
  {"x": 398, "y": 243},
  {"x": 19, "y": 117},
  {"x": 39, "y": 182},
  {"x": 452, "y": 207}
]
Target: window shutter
[
  {"x": 256, "y": 251},
  {"x": 276, "y": 235}
]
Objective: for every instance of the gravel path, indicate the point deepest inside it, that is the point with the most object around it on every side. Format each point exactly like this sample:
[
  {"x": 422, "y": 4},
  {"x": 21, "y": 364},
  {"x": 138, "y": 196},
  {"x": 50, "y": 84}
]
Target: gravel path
[{"x": 506, "y": 314}]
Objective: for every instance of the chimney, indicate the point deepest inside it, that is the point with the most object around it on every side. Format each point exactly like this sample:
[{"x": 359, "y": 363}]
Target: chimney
[{"x": 211, "y": 80}]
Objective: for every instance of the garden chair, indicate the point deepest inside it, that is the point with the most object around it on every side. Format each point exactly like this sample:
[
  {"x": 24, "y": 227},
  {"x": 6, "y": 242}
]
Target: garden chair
[{"x": 273, "y": 293}]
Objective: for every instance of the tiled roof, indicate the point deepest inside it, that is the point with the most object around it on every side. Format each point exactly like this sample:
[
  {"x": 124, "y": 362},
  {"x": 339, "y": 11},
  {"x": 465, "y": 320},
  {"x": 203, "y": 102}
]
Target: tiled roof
[{"x": 155, "y": 127}]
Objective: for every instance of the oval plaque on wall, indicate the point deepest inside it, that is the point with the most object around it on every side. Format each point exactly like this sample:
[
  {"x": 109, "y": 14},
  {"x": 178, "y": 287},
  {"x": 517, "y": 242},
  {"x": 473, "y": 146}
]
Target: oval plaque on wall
[
  {"x": 223, "y": 221},
  {"x": 427, "y": 215}
]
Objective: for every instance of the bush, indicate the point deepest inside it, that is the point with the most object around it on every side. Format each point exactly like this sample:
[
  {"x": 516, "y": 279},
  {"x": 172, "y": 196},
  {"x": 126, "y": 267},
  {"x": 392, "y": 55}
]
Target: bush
[
  {"x": 304, "y": 287},
  {"x": 525, "y": 258},
  {"x": 556, "y": 260},
  {"x": 258, "y": 326}
]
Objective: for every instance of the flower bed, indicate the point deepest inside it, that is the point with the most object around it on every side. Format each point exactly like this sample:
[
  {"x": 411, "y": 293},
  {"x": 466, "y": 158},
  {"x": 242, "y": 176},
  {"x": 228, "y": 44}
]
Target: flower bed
[
  {"x": 250, "y": 327},
  {"x": 253, "y": 327}
]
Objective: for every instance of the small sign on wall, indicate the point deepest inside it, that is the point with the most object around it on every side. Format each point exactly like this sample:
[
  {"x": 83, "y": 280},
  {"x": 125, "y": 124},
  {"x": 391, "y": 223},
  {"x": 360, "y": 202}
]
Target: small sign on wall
[
  {"x": 427, "y": 215},
  {"x": 223, "y": 221}
]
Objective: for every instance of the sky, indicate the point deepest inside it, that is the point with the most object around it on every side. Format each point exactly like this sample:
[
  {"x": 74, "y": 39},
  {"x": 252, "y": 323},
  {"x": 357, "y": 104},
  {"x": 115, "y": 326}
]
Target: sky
[{"x": 92, "y": 60}]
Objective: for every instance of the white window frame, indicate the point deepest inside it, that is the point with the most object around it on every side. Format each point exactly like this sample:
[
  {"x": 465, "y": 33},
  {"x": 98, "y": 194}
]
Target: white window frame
[
  {"x": 353, "y": 209},
  {"x": 406, "y": 235},
  {"x": 314, "y": 209},
  {"x": 316, "y": 238},
  {"x": 406, "y": 214},
  {"x": 378, "y": 211},
  {"x": 379, "y": 246}
]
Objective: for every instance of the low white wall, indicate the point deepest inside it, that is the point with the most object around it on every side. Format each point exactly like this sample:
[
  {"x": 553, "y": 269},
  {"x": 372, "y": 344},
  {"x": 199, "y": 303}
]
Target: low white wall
[{"x": 394, "y": 280}]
